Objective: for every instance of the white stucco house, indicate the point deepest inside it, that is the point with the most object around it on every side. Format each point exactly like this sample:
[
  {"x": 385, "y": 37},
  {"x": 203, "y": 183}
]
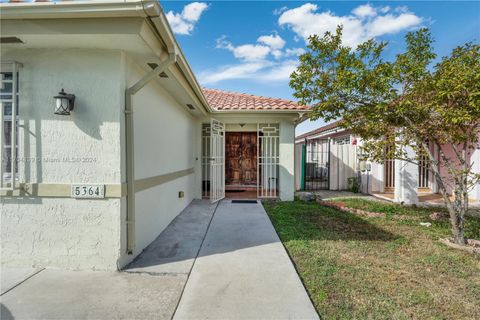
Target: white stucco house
[
  {"x": 114, "y": 135},
  {"x": 327, "y": 157}
]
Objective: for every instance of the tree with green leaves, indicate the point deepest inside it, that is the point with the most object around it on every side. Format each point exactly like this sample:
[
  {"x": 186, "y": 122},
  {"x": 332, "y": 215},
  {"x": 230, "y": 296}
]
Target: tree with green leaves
[{"x": 406, "y": 103}]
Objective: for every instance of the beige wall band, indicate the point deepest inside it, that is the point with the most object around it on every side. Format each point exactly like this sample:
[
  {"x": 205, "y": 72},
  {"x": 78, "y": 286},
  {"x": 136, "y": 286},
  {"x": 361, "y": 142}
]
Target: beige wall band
[
  {"x": 146, "y": 183},
  {"x": 59, "y": 190}
]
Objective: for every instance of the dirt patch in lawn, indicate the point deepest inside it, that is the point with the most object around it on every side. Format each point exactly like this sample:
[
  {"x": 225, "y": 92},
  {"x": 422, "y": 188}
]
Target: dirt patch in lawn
[{"x": 379, "y": 267}]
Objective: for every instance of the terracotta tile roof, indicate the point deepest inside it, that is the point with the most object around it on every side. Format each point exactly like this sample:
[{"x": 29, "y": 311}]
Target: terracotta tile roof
[
  {"x": 329, "y": 126},
  {"x": 227, "y": 101}
]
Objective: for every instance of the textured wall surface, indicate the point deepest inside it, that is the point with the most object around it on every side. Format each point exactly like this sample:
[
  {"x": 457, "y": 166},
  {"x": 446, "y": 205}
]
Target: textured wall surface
[
  {"x": 81, "y": 148},
  {"x": 164, "y": 143},
  {"x": 67, "y": 233},
  {"x": 406, "y": 180},
  {"x": 286, "y": 160},
  {"x": 372, "y": 181}
]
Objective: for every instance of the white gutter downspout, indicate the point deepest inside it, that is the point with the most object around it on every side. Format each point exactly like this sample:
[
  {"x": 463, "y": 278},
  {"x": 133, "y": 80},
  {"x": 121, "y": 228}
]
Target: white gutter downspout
[{"x": 130, "y": 165}]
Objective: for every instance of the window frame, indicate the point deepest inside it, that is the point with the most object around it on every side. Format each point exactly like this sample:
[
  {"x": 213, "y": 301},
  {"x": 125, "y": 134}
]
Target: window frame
[
  {"x": 342, "y": 140},
  {"x": 8, "y": 179}
]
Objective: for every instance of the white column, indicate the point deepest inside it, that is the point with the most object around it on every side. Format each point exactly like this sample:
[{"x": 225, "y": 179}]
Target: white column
[
  {"x": 197, "y": 141},
  {"x": 376, "y": 178},
  {"x": 433, "y": 182},
  {"x": 406, "y": 180},
  {"x": 475, "y": 191},
  {"x": 298, "y": 165},
  {"x": 286, "y": 160}
]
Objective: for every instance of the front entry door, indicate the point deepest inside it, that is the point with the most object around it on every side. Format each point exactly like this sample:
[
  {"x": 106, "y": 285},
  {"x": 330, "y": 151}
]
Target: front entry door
[{"x": 241, "y": 158}]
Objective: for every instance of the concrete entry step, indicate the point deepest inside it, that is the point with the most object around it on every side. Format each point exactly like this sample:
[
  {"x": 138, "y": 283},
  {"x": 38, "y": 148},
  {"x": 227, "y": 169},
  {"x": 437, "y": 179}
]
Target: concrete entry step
[{"x": 243, "y": 271}]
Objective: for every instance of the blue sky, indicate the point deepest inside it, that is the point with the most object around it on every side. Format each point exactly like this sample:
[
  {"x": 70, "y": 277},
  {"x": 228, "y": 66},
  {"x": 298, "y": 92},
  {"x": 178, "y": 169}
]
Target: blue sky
[{"x": 252, "y": 46}]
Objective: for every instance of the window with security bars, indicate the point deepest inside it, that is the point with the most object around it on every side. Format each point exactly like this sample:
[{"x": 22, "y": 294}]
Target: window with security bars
[
  {"x": 342, "y": 140},
  {"x": 316, "y": 165},
  {"x": 8, "y": 123},
  {"x": 424, "y": 171}
]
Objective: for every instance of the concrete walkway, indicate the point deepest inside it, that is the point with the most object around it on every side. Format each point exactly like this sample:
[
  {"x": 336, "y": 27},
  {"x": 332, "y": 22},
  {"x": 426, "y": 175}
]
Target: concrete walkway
[
  {"x": 243, "y": 271},
  {"x": 227, "y": 260},
  {"x": 175, "y": 249}
]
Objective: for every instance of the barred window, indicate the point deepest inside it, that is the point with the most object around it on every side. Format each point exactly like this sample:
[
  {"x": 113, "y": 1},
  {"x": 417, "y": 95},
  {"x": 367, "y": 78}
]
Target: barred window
[
  {"x": 342, "y": 140},
  {"x": 8, "y": 84}
]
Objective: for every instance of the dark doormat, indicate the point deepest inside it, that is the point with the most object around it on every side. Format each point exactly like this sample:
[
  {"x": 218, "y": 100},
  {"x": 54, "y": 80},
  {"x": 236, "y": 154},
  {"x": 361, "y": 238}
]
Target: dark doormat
[
  {"x": 244, "y": 201},
  {"x": 234, "y": 190}
]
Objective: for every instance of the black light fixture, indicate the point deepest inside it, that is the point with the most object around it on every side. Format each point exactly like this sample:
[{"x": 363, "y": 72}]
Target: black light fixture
[{"x": 64, "y": 103}]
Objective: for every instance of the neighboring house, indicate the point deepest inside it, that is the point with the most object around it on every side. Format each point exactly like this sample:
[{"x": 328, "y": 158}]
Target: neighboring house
[
  {"x": 327, "y": 157},
  {"x": 93, "y": 186}
]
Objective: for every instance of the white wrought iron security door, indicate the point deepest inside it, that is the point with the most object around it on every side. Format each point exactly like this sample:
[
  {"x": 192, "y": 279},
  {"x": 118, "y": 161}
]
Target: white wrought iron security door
[
  {"x": 268, "y": 160},
  {"x": 217, "y": 160}
]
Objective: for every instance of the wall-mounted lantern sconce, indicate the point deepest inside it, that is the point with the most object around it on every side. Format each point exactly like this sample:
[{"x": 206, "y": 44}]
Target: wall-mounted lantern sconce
[{"x": 64, "y": 103}]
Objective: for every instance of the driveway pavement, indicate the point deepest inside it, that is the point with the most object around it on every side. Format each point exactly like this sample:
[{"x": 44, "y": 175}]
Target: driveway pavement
[
  {"x": 60, "y": 294},
  {"x": 228, "y": 263}
]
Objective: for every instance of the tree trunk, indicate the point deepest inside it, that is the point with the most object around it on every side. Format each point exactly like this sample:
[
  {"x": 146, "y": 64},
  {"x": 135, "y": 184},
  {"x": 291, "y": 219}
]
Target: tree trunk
[
  {"x": 458, "y": 207},
  {"x": 457, "y": 217}
]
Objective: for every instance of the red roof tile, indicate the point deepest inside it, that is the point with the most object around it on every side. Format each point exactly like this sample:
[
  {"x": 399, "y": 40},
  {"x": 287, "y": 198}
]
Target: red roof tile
[
  {"x": 320, "y": 130},
  {"x": 227, "y": 101}
]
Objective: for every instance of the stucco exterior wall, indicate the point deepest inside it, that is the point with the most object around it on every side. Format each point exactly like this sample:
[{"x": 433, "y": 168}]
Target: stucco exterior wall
[
  {"x": 473, "y": 157},
  {"x": 287, "y": 160},
  {"x": 163, "y": 143},
  {"x": 373, "y": 180},
  {"x": 298, "y": 165},
  {"x": 81, "y": 148},
  {"x": 60, "y": 232}
]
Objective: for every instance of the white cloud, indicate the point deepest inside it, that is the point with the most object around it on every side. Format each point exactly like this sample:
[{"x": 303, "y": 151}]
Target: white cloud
[
  {"x": 365, "y": 10},
  {"x": 229, "y": 72},
  {"x": 184, "y": 22},
  {"x": 194, "y": 10},
  {"x": 251, "y": 52},
  {"x": 365, "y": 22},
  {"x": 384, "y": 9},
  {"x": 277, "y": 54},
  {"x": 294, "y": 52},
  {"x": 273, "y": 41},
  {"x": 266, "y": 45},
  {"x": 305, "y": 21},
  {"x": 256, "y": 71},
  {"x": 389, "y": 24},
  {"x": 279, "y": 72},
  {"x": 278, "y": 11},
  {"x": 265, "y": 60},
  {"x": 248, "y": 52}
]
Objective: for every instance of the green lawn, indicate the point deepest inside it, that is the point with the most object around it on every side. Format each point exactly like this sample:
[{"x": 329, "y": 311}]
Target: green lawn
[{"x": 386, "y": 267}]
